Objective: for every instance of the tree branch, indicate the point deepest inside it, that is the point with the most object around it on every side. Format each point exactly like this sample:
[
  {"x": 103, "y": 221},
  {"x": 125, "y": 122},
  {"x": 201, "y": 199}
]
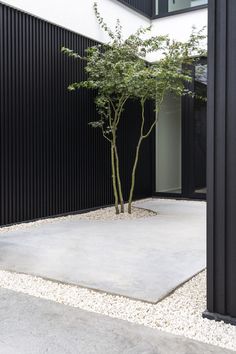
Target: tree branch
[{"x": 156, "y": 120}]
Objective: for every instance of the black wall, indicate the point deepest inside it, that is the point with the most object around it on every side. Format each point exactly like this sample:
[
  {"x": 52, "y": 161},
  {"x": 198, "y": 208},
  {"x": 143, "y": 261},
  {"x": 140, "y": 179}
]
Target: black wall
[
  {"x": 221, "y": 228},
  {"x": 51, "y": 161},
  {"x": 143, "y": 6}
]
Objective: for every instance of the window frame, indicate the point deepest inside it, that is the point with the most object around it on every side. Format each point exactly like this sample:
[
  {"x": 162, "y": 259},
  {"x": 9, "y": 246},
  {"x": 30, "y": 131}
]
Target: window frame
[{"x": 165, "y": 13}]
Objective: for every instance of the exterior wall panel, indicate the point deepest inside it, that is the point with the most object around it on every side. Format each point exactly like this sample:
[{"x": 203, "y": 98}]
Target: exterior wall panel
[
  {"x": 78, "y": 15},
  {"x": 51, "y": 161},
  {"x": 146, "y": 7},
  {"x": 221, "y": 282}
]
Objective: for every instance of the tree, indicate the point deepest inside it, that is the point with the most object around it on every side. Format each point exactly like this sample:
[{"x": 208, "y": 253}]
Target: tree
[
  {"x": 118, "y": 72},
  {"x": 111, "y": 68}
]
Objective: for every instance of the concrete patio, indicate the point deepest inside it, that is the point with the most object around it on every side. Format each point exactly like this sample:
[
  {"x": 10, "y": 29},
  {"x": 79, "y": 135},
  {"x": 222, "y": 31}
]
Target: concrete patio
[
  {"x": 144, "y": 259},
  {"x": 32, "y": 325}
]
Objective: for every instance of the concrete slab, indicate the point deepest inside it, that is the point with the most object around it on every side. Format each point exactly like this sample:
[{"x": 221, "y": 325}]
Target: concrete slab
[
  {"x": 144, "y": 259},
  {"x": 31, "y": 325}
]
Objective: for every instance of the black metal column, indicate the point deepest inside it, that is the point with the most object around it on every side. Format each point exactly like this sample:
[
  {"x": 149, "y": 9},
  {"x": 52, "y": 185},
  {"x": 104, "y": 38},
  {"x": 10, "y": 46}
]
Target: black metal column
[{"x": 221, "y": 225}]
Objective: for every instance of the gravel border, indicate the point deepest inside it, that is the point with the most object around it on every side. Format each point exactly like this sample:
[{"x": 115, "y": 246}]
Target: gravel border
[
  {"x": 180, "y": 313},
  {"x": 101, "y": 214}
]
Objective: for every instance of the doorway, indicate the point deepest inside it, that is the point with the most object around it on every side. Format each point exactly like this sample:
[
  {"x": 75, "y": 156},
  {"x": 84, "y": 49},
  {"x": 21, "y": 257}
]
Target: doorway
[{"x": 180, "y": 144}]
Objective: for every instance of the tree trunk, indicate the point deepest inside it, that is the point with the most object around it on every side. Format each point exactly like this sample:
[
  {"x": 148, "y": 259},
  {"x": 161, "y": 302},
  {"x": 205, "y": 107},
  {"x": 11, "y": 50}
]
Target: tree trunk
[
  {"x": 136, "y": 160},
  {"x": 141, "y": 138},
  {"x": 114, "y": 178},
  {"x": 133, "y": 176},
  {"x": 119, "y": 181}
]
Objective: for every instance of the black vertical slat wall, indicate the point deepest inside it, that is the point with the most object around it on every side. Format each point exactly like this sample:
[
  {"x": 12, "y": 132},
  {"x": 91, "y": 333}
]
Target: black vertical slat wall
[
  {"x": 221, "y": 169},
  {"x": 51, "y": 161},
  {"x": 143, "y": 6}
]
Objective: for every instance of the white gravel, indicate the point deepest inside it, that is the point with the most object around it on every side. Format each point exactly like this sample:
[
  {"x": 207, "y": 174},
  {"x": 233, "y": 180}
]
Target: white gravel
[
  {"x": 99, "y": 214},
  {"x": 179, "y": 313}
]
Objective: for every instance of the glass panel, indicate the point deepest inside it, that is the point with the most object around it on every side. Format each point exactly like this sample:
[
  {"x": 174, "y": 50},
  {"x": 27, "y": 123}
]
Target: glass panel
[
  {"x": 175, "y": 5},
  {"x": 201, "y": 73},
  {"x": 157, "y": 7},
  {"x": 168, "y": 146}
]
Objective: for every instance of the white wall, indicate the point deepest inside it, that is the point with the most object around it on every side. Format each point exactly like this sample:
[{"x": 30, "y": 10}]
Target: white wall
[
  {"x": 179, "y": 26},
  {"x": 78, "y": 15}
]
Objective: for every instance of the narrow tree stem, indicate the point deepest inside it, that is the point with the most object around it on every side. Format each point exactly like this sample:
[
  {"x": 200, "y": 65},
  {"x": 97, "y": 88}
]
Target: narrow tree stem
[
  {"x": 131, "y": 193},
  {"x": 114, "y": 178},
  {"x": 116, "y": 122},
  {"x": 113, "y": 123},
  {"x": 119, "y": 181},
  {"x": 141, "y": 138},
  {"x": 134, "y": 176}
]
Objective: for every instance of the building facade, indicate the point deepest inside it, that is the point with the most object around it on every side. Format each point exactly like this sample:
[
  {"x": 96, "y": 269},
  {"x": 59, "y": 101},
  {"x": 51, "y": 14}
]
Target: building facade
[{"x": 52, "y": 162}]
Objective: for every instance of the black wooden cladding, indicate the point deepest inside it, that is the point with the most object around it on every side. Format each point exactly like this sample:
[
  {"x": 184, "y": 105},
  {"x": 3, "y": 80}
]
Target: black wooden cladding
[
  {"x": 51, "y": 161},
  {"x": 221, "y": 195},
  {"x": 143, "y": 6}
]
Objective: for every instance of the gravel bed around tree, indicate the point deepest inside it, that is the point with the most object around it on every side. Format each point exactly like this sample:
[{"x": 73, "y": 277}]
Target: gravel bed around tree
[
  {"x": 99, "y": 214},
  {"x": 180, "y": 313}
]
